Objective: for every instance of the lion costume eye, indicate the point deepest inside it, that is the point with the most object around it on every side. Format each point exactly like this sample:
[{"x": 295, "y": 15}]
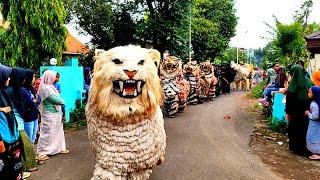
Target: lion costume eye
[
  {"x": 141, "y": 62},
  {"x": 117, "y": 61}
]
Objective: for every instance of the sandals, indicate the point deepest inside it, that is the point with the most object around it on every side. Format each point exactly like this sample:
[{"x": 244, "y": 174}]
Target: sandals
[
  {"x": 26, "y": 175},
  {"x": 40, "y": 162},
  {"x": 42, "y": 157},
  {"x": 65, "y": 151},
  {"x": 33, "y": 169},
  {"x": 314, "y": 157}
]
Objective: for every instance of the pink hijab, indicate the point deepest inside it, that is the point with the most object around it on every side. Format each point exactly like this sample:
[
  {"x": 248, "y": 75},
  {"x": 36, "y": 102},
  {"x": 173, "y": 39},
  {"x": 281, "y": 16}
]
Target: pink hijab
[{"x": 46, "y": 87}]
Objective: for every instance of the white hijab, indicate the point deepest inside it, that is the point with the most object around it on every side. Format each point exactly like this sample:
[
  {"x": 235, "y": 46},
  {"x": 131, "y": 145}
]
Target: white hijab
[{"x": 46, "y": 87}]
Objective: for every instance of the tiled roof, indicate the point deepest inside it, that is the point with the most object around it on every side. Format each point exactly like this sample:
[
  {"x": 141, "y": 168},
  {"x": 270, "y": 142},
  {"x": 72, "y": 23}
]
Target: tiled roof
[
  {"x": 74, "y": 46},
  {"x": 315, "y": 35}
]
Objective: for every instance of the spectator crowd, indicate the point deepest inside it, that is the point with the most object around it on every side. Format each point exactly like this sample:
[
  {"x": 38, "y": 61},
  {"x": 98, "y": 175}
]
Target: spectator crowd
[
  {"x": 302, "y": 102},
  {"x": 31, "y": 121}
]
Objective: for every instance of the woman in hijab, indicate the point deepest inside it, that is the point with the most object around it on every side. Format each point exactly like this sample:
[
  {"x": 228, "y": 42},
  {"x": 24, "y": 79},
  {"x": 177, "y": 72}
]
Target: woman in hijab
[
  {"x": 313, "y": 133},
  {"x": 17, "y": 78},
  {"x": 10, "y": 150},
  {"x": 20, "y": 106},
  {"x": 280, "y": 81},
  {"x": 271, "y": 75},
  {"x": 296, "y": 105},
  {"x": 51, "y": 140},
  {"x": 30, "y": 111}
]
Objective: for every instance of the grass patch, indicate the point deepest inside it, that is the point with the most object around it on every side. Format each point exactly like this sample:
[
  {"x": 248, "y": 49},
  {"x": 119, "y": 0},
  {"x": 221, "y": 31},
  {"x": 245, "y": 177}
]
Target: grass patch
[
  {"x": 257, "y": 91},
  {"x": 277, "y": 125},
  {"x": 257, "y": 107}
]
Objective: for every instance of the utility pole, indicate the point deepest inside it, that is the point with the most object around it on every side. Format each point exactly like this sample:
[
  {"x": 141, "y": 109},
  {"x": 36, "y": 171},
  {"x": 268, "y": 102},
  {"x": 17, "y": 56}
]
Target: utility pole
[
  {"x": 190, "y": 45},
  {"x": 237, "y": 54}
]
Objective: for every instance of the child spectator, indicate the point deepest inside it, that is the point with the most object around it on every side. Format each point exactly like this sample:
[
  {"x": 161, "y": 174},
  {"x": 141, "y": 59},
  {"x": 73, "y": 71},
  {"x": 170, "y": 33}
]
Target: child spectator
[
  {"x": 58, "y": 87},
  {"x": 56, "y": 83},
  {"x": 313, "y": 133}
]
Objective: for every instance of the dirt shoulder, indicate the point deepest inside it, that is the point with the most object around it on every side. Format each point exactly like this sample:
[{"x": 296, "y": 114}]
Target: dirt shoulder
[{"x": 273, "y": 150}]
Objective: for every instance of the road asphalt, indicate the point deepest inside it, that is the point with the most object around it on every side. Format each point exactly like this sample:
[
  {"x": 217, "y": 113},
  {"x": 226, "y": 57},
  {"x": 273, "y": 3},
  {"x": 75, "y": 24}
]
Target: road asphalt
[{"x": 207, "y": 141}]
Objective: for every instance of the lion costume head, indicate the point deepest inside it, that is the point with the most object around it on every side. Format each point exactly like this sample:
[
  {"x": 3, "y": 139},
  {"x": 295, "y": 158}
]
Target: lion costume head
[
  {"x": 171, "y": 67},
  {"x": 207, "y": 67},
  {"x": 125, "y": 87},
  {"x": 191, "y": 68}
]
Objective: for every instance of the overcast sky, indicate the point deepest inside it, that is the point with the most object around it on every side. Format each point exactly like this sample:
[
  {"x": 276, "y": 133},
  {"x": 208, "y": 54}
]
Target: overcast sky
[{"x": 252, "y": 14}]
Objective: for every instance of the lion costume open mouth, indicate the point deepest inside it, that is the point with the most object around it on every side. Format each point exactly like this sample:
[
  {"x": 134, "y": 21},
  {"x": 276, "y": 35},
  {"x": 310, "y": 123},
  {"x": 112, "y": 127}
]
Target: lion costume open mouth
[{"x": 128, "y": 88}]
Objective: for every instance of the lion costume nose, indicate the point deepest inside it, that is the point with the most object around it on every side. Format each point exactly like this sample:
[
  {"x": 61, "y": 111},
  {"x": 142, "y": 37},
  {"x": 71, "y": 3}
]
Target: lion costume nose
[{"x": 130, "y": 73}]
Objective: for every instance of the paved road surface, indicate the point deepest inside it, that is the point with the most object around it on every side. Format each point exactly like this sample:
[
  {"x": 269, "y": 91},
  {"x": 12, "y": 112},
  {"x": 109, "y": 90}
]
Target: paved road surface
[{"x": 201, "y": 144}]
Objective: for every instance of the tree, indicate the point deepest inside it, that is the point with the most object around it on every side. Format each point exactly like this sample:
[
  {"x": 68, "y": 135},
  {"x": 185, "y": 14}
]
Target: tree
[
  {"x": 288, "y": 43},
  {"x": 311, "y": 28},
  {"x": 165, "y": 25},
  {"x": 302, "y": 15},
  {"x": 290, "y": 40},
  {"x": 161, "y": 24},
  {"x": 36, "y": 31},
  {"x": 110, "y": 23},
  {"x": 213, "y": 25},
  {"x": 96, "y": 18}
]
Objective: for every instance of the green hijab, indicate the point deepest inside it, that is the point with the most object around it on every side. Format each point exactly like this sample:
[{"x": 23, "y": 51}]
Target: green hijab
[
  {"x": 271, "y": 72},
  {"x": 299, "y": 85}
]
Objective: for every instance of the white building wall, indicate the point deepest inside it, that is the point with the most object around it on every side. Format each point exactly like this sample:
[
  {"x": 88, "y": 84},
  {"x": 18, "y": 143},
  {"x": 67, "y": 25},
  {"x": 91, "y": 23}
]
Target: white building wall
[{"x": 314, "y": 64}]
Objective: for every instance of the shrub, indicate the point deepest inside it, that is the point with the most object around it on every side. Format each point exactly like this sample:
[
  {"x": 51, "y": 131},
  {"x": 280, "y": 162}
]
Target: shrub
[
  {"x": 77, "y": 117},
  {"x": 277, "y": 125},
  {"x": 257, "y": 91}
]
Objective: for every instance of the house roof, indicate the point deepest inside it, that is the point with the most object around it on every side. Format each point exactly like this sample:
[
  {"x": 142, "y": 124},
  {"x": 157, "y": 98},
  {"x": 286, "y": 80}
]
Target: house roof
[
  {"x": 315, "y": 35},
  {"x": 74, "y": 46}
]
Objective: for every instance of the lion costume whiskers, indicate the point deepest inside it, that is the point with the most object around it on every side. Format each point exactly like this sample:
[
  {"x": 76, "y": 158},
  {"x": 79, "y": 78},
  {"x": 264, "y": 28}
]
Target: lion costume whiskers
[{"x": 125, "y": 122}]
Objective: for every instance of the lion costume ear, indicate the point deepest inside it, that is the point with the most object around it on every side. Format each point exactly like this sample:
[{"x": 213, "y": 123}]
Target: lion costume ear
[
  {"x": 97, "y": 52},
  {"x": 155, "y": 56}
]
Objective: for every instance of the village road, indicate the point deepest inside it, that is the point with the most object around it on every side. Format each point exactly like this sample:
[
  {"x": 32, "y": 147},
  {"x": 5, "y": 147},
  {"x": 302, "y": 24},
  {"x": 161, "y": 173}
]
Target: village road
[{"x": 208, "y": 141}]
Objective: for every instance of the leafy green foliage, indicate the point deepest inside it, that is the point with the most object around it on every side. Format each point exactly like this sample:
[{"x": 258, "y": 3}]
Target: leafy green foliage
[
  {"x": 36, "y": 32},
  {"x": 302, "y": 15},
  {"x": 78, "y": 113},
  {"x": 77, "y": 117},
  {"x": 290, "y": 41},
  {"x": 230, "y": 54},
  {"x": 311, "y": 28},
  {"x": 96, "y": 18},
  {"x": 257, "y": 91},
  {"x": 163, "y": 25},
  {"x": 287, "y": 47},
  {"x": 87, "y": 60},
  {"x": 213, "y": 25},
  {"x": 288, "y": 44},
  {"x": 277, "y": 125}
]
